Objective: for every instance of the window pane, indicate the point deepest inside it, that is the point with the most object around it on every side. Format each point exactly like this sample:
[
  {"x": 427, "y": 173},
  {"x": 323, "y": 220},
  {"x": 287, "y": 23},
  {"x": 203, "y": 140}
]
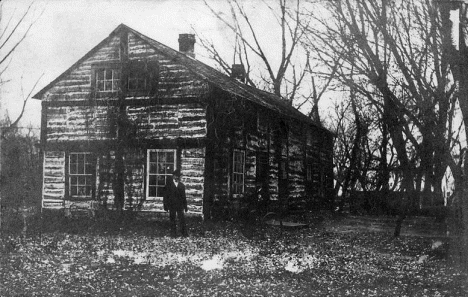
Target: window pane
[
  {"x": 170, "y": 157},
  {"x": 80, "y": 168},
  {"x": 108, "y": 86},
  {"x": 79, "y": 158},
  {"x": 158, "y": 192},
  {"x": 161, "y": 180},
  {"x": 152, "y": 191},
  {"x": 108, "y": 74},
  {"x": 116, "y": 74},
  {"x": 100, "y": 74},
  {"x": 161, "y": 169},
  {"x": 72, "y": 168},
  {"x": 81, "y": 180},
  {"x": 132, "y": 84},
  {"x": 169, "y": 168},
  {"x": 153, "y": 168},
  {"x": 81, "y": 191},
  {"x": 88, "y": 190},
  {"x": 152, "y": 180},
  {"x": 141, "y": 84},
  {"x": 100, "y": 85},
  {"x": 89, "y": 168}
]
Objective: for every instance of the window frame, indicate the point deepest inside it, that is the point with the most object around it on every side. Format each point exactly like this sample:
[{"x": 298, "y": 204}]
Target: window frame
[
  {"x": 236, "y": 173},
  {"x": 149, "y": 173},
  {"x": 146, "y": 71},
  {"x": 105, "y": 66},
  {"x": 137, "y": 77},
  {"x": 88, "y": 176},
  {"x": 114, "y": 80}
]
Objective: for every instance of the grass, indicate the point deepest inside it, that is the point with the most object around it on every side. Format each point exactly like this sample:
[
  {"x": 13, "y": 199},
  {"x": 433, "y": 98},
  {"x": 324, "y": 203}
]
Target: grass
[{"x": 138, "y": 258}]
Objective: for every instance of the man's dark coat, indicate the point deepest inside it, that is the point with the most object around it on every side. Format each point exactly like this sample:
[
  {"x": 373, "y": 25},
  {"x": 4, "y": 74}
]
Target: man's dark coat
[{"x": 174, "y": 197}]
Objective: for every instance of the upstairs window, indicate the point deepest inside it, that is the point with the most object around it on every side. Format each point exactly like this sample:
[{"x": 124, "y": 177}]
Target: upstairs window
[
  {"x": 238, "y": 168},
  {"x": 107, "y": 80},
  {"x": 142, "y": 77},
  {"x": 137, "y": 81}
]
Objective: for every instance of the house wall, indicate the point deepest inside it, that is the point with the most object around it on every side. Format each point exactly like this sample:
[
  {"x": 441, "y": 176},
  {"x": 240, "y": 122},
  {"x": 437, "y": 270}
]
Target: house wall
[
  {"x": 239, "y": 124},
  {"x": 78, "y": 123},
  {"x": 191, "y": 165},
  {"x": 75, "y": 86},
  {"x": 53, "y": 188},
  {"x": 296, "y": 166},
  {"x": 185, "y": 114},
  {"x": 169, "y": 121},
  {"x": 75, "y": 120},
  {"x": 175, "y": 80}
]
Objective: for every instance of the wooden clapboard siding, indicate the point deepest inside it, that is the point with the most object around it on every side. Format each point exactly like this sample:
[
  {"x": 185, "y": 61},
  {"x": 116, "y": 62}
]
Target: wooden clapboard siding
[
  {"x": 75, "y": 123},
  {"x": 53, "y": 190}
]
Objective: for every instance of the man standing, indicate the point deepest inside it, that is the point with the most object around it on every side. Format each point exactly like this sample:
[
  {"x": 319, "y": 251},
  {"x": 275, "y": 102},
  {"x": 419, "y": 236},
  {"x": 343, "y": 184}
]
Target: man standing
[{"x": 175, "y": 201}]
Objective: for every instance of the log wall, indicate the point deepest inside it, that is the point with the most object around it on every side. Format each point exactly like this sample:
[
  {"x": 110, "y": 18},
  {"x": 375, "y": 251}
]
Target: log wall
[
  {"x": 75, "y": 86},
  {"x": 169, "y": 121},
  {"x": 174, "y": 79},
  {"x": 53, "y": 188},
  {"x": 254, "y": 130},
  {"x": 78, "y": 123},
  {"x": 74, "y": 115}
]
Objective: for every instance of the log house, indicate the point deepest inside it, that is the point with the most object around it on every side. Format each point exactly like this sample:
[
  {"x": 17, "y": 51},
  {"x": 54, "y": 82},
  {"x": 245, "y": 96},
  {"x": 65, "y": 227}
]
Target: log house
[{"x": 123, "y": 117}]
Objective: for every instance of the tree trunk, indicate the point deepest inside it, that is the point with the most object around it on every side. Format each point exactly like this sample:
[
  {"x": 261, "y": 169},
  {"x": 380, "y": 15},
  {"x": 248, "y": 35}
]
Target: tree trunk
[{"x": 395, "y": 129}]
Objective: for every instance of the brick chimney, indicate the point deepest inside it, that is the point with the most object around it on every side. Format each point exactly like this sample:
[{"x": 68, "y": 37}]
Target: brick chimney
[
  {"x": 238, "y": 72},
  {"x": 187, "y": 44}
]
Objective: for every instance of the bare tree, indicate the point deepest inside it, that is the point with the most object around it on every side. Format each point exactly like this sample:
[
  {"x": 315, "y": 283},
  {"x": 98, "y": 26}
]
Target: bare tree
[
  {"x": 282, "y": 70},
  {"x": 15, "y": 30},
  {"x": 394, "y": 48},
  {"x": 454, "y": 31}
]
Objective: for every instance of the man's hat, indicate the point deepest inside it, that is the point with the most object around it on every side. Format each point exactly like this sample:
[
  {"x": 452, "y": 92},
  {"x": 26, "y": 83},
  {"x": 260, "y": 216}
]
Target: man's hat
[{"x": 176, "y": 172}]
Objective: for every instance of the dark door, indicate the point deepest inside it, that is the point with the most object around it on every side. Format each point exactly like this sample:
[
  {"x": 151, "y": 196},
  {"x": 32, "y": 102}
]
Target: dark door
[{"x": 262, "y": 178}]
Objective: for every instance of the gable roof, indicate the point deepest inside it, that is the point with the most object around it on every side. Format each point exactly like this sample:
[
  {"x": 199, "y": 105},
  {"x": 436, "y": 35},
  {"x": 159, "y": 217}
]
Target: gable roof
[{"x": 204, "y": 72}]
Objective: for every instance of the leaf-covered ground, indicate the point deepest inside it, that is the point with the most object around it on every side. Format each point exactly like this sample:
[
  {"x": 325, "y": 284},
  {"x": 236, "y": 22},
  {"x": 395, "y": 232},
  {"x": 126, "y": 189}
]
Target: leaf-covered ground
[{"x": 224, "y": 259}]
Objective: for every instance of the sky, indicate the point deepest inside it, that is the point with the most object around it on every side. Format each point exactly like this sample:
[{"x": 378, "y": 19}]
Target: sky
[{"x": 65, "y": 30}]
